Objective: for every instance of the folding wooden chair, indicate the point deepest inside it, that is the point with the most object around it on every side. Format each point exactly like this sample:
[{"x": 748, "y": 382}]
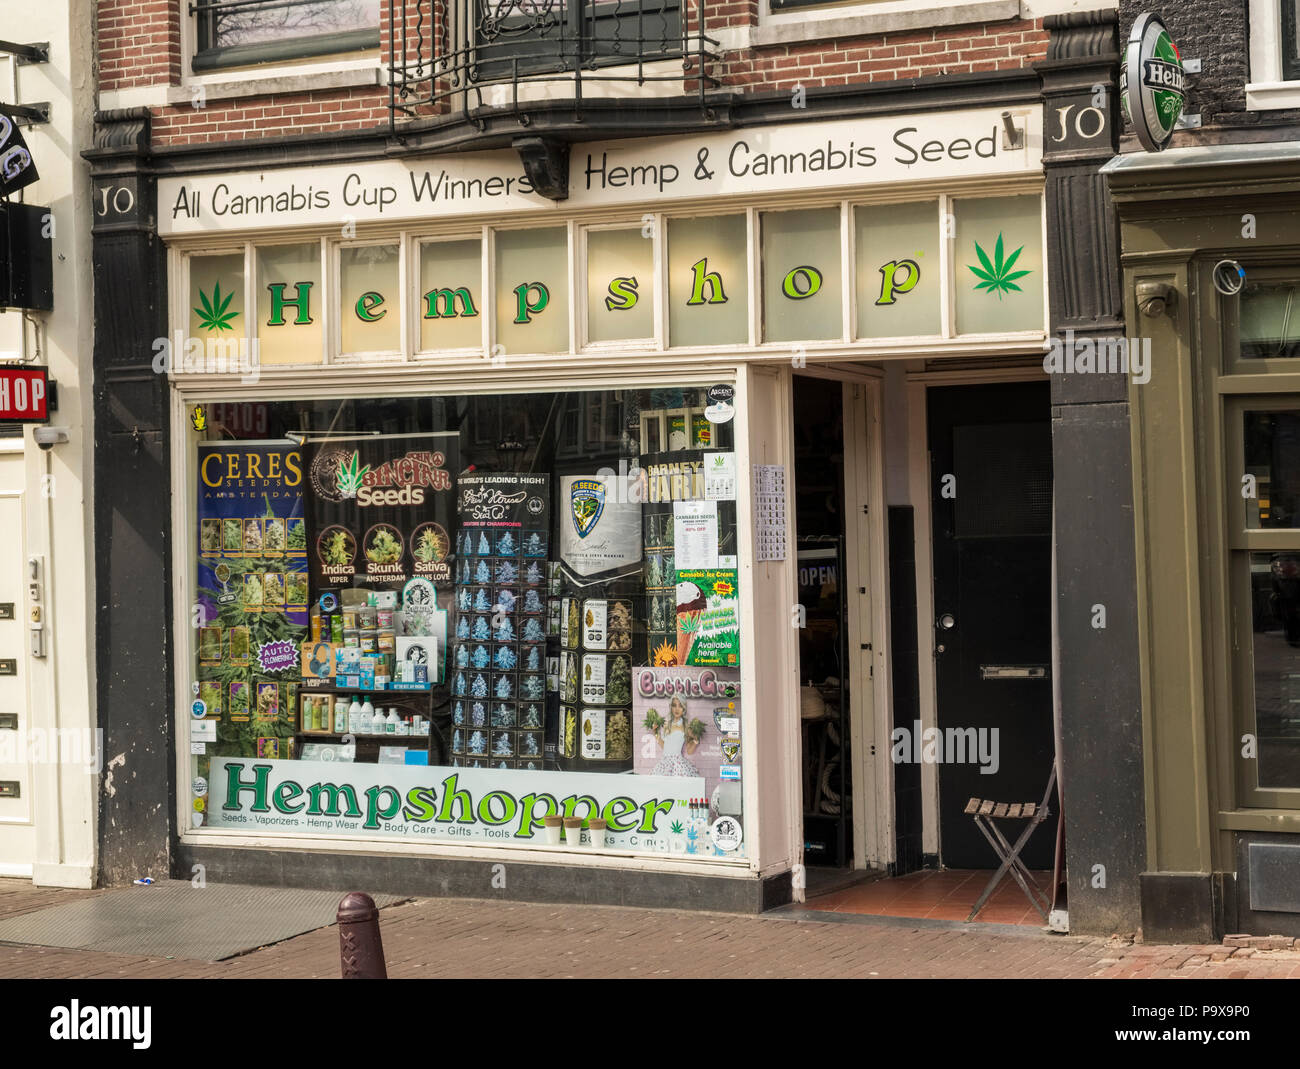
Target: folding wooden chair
[{"x": 985, "y": 812}]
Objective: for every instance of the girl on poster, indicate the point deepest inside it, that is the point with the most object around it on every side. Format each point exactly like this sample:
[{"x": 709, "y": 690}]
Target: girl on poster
[{"x": 674, "y": 738}]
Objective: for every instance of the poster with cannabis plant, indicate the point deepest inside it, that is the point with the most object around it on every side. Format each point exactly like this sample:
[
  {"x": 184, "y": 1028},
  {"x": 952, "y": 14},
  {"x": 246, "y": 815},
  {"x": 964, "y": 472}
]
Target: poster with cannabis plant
[
  {"x": 381, "y": 508},
  {"x": 252, "y": 589}
]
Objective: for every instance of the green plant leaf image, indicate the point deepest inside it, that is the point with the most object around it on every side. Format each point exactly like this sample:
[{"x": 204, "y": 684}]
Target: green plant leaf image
[
  {"x": 213, "y": 314},
  {"x": 352, "y": 476},
  {"x": 996, "y": 274}
]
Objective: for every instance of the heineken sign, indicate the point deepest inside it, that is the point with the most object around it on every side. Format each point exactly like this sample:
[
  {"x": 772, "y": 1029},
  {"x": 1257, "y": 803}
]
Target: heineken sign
[{"x": 1152, "y": 83}]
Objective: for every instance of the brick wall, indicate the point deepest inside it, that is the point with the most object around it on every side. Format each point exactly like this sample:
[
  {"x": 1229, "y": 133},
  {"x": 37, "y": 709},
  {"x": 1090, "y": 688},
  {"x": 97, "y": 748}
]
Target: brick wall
[
  {"x": 888, "y": 57},
  {"x": 139, "y": 42}
]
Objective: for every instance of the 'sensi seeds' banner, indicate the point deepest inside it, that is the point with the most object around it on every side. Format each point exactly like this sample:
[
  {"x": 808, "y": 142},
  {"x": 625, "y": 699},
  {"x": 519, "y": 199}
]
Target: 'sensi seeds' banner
[{"x": 381, "y": 508}]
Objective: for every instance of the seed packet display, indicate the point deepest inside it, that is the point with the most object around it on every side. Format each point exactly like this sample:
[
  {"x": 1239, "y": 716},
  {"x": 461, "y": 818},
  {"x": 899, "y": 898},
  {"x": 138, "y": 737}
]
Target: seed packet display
[
  {"x": 606, "y": 625},
  {"x": 381, "y": 508},
  {"x": 500, "y": 630},
  {"x": 252, "y": 588}
]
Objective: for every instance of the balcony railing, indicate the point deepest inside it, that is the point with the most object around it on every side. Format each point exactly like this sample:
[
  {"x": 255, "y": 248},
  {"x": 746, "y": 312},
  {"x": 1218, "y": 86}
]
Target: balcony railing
[{"x": 464, "y": 55}]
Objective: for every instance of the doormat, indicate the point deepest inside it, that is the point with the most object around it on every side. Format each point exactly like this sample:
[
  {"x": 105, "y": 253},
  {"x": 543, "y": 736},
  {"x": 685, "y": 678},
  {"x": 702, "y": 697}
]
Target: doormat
[{"x": 173, "y": 919}]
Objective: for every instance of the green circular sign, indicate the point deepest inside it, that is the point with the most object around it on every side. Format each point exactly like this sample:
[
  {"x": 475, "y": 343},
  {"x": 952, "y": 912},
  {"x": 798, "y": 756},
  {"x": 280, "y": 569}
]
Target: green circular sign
[{"x": 1152, "y": 83}]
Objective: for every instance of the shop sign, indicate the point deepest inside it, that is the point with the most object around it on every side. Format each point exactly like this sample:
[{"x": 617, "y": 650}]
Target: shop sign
[
  {"x": 24, "y": 395},
  {"x": 431, "y": 804},
  {"x": 797, "y": 156},
  {"x": 1152, "y": 83},
  {"x": 16, "y": 167}
]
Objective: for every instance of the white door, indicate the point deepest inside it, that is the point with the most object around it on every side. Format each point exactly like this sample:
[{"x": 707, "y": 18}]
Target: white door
[{"x": 17, "y": 833}]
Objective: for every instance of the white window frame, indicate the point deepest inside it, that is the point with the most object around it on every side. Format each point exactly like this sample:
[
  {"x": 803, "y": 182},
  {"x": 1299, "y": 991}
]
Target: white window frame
[{"x": 1266, "y": 91}]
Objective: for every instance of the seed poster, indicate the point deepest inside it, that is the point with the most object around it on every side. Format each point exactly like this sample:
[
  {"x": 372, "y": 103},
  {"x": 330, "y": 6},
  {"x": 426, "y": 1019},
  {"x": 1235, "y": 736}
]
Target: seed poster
[
  {"x": 708, "y": 617},
  {"x": 687, "y": 722},
  {"x": 382, "y": 508},
  {"x": 600, "y": 528},
  {"x": 252, "y": 588}
]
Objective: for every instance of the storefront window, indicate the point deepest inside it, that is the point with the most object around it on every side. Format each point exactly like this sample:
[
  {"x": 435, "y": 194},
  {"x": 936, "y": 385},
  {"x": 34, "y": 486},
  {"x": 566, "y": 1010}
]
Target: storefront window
[
  {"x": 1275, "y": 654},
  {"x": 465, "y": 619},
  {"x": 290, "y": 312},
  {"x": 998, "y": 267},
  {"x": 1270, "y": 319},
  {"x": 1272, "y": 443},
  {"x": 708, "y": 281},
  {"x": 532, "y": 298},
  {"x": 217, "y": 298},
  {"x": 899, "y": 278},
  {"x": 370, "y": 316},
  {"x": 802, "y": 278},
  {"x": 451, "y": 294},
  {"x": 620, "y": 285}
]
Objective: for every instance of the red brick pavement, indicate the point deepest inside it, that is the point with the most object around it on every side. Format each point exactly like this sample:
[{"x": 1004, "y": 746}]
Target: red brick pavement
[{"x": 477, "y": 938}]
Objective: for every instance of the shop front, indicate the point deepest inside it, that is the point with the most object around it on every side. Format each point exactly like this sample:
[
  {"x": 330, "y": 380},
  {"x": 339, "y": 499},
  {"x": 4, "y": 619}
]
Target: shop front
[
  {"x": 682, "y": 532},
  {"x": 1210, "y": 246}
]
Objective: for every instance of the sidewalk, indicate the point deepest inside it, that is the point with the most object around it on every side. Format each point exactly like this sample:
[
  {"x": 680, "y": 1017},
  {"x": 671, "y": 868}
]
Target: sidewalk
[{"x": 477, "y": 939}]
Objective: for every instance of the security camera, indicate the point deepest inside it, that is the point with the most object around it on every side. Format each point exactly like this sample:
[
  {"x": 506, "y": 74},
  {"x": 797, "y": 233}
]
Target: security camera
[
  {"x": 48, "y": 437},
  {"x": 1156, "y": 299}
]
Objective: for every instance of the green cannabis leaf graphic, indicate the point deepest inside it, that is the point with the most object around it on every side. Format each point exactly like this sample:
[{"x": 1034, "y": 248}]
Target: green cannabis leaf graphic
[
  {"x": 997, "y": 275},
  {"x": 213, "y": 314},
  {"x": 351, "y": 476}
]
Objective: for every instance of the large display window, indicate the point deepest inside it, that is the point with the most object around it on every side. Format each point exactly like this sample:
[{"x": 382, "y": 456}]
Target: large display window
[{"x": 478, "y": 618}]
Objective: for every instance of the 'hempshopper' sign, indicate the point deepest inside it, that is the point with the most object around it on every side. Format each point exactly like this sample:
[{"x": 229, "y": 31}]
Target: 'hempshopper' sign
[
  {"x": 1152, "y": 83},
  {"x": 426, "y": 804}
]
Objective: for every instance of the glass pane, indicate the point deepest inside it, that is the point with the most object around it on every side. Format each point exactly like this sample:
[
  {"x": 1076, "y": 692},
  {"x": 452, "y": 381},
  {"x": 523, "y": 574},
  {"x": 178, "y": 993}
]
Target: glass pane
[
  {"x": 708, "y": 286},
  {"x": 217, "y": 310},
  {"x": 802, "y": 280},
  {"x": 1275, "y": 655},
  {"x": 289, "y": 315},
  {"x": 899, "y": 283},
  {"x": 415, "y": 588},
  {"x": 620, "y": 285},
  {"x": 451, "y": 281},
  {"x": 1270, "y": 319},
  {"x": 370, "y": 317},
  {"x": 1272, "y": 441},
  {"x": 998, "y": 265},
  {"x": 278, "y": 20},
  {"x": 532, "y": 280}
]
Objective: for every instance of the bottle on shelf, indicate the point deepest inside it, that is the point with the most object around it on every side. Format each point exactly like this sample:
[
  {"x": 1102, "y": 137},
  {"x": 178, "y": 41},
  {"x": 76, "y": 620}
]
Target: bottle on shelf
[
  {"x": 403, "y": 725},
  {"x": 368, "y": 717},
  {"x": 390, "y": 722},
  {"x": 340, "y": 715},
  {"x": 354, "y": 716}
]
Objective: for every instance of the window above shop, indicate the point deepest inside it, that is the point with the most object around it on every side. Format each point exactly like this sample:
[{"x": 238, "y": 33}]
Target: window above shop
[
  {"x": 239, "y": 33},
  {"x": 1274, "y": 55},
  {"x": 467, "y": 47}
]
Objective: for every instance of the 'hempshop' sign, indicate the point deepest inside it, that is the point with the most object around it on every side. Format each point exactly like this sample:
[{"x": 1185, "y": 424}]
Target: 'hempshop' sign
[{"x": 419, "y": 803}]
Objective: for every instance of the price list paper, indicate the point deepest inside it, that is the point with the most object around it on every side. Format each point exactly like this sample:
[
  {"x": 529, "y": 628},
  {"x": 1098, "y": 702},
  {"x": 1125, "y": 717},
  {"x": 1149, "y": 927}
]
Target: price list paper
[{"x": 769, "y": 510}]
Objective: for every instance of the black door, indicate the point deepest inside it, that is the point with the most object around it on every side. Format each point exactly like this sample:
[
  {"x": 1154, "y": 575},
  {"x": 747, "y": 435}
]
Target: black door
[{"x": 991, "y": 500}]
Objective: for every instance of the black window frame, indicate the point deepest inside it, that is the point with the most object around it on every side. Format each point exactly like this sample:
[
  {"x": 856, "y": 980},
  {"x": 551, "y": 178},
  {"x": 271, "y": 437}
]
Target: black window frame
[
  {"x": 1290, "y": 41},
  {"x": 209, "y": 57}
]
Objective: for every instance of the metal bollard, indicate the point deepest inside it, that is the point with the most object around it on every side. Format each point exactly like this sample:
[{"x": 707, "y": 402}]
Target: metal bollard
[{"x": 361, "y": 950}]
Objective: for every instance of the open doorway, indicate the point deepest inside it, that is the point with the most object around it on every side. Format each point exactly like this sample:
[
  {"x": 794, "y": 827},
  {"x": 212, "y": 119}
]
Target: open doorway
[{"x": 823, "y": 660}]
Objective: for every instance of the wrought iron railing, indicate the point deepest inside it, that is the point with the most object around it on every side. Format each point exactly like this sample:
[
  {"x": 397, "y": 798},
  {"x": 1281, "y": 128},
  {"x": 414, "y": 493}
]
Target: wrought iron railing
[{"x": 464, "y": 55}]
